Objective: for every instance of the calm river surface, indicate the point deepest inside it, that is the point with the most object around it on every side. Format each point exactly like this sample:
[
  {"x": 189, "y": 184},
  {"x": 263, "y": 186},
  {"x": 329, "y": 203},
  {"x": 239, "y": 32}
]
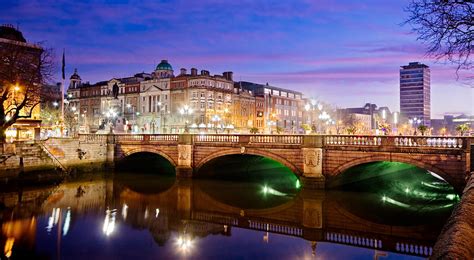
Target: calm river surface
[{"x": 238, "y": 209}]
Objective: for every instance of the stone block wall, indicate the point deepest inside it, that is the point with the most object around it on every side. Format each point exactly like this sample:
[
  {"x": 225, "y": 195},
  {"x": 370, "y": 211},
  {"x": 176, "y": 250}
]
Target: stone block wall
[
  {"x": 71, "y": 153},
  {"x": 76, "y": 153}
]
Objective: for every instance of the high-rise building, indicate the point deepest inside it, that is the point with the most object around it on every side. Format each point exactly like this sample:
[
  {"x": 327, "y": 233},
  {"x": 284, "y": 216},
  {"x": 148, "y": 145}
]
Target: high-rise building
[{"x": 415, "y": 96}]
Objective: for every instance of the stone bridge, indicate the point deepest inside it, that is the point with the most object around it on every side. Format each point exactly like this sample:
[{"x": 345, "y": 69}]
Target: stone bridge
[{"x": 315, "y": 158}]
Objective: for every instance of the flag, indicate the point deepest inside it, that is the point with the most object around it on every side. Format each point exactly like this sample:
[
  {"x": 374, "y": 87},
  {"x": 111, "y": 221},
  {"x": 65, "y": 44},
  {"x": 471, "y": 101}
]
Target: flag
[{"x": 63, "y": 67}]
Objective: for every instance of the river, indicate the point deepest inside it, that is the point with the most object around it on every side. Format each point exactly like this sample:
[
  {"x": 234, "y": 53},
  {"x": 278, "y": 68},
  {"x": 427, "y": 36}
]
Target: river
[{"x": 236, "y": 208}]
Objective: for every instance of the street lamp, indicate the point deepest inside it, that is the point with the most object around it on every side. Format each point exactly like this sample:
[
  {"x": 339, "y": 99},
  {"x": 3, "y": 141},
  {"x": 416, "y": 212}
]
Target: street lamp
[
  {"x": 216, "y": 119},
  {"x": 312, "y": 106},
  {"x": 186, "y": 111},
  {"x": 162, "y": 117},
  {"x": 414, "y": 123},
  {"x": 323, "y": 117}
]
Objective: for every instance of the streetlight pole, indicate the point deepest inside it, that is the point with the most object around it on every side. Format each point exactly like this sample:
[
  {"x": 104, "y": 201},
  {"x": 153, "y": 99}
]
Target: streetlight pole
[
  {"x": 216, "y": 119},
  {"x": 186, "y": 111}
]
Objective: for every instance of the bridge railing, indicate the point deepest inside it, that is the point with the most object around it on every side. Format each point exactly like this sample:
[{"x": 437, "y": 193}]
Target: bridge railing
[
  {"x": 276, "y": 139},
  {"x": 216, "y": 138},
  {"x": 92, "y": 138},
  {"x": 249, "y": 139},
  {"x": 146, "y": 138},
  {"x": 327, "y": 140},
  {"x": 396, "y": 141}
]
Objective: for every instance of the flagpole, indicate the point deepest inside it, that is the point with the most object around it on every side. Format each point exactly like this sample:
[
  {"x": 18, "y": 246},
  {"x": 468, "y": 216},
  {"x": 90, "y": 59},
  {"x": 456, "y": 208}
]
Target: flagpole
[{"x": 62, "y": 93}]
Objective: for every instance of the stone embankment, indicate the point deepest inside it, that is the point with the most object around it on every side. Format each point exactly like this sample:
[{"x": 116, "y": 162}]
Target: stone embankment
[
  {"x": 53, "y": 153},
  {"x": 457, "y": 237}
]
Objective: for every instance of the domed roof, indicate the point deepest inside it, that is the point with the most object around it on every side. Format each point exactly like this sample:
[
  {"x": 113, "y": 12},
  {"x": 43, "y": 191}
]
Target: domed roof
[
  {"x": 10, "y": 33},
  {"x": 75, "y": 75},
  {"x": 164, "y": 65}
]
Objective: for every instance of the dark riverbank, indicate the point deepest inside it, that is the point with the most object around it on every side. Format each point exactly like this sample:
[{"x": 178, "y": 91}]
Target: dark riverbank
[{"x": 457, "y": 237}]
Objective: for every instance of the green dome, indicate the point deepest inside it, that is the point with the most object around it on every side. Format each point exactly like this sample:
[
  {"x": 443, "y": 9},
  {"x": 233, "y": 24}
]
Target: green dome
[{"x": 164, "y": 65}]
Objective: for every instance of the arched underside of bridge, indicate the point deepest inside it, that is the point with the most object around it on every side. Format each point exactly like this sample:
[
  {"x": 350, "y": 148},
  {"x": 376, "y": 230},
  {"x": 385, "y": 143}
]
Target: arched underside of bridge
[
  {"x": 147, "y": 149},
  {"x": 258, "y": 152},
  {"x": 407, "y": 159}
]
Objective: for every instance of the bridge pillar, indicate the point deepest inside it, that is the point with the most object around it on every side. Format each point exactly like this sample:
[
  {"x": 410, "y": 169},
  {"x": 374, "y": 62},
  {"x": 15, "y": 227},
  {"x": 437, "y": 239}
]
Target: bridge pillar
[
  {"x": 184, "y": 199},
  {"x": 313, "y": 218},
  {"x": 184, "y": 169},
  {"x": 313, "y": 177},
  {"x": 110, "y": 156}
]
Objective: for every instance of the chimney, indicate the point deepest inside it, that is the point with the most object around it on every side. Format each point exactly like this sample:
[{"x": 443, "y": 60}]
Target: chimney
[
  {"x": 204, "y": 73},
  {"x": 183, "y": 71},
  {"x": 228, "y": 75},
  {"x": 194, "y": 72}
]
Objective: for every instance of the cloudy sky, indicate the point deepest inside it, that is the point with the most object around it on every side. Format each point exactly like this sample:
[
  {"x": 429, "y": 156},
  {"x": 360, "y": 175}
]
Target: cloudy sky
[{"x": 343, "y": 52}]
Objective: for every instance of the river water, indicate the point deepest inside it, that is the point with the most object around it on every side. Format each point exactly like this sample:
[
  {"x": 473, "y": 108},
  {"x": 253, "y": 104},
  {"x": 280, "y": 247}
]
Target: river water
[{"x": 237, "y": 208}]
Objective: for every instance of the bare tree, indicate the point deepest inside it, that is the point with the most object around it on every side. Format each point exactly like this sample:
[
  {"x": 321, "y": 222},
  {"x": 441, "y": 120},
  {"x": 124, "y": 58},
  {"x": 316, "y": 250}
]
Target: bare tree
[
  {"x": 24, "y": 68},
  {"x": 447, "y": 27}
]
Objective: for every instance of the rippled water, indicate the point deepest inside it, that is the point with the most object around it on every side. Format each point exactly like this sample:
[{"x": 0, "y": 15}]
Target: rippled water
[{"x": 154, "y": 216}]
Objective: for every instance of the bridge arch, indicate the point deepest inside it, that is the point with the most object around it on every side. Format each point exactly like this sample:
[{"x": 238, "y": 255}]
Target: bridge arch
[
  {"x": 401, "y": 158},
  {"x": 257, "y": 152},
  {"x": 146, "y": 149}
]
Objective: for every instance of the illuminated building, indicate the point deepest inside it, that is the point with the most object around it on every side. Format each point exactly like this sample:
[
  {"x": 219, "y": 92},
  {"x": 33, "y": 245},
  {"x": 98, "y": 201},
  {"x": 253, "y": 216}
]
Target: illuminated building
[
  {"x": 23, "y": 128},
  {"x": 282, "y": 107},
  {"x": 209, "y": 97},
  {"x": 415, "y": 92}
]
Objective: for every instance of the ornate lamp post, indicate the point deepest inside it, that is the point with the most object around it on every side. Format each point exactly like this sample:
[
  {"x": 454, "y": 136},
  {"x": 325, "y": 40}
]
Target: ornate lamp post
[
  {"x": 185, "y": 112},
  {"x": 323, "y": 117},
  {"x": 415, "y": 122},
  {"x": 215, "y": 120},
  {"x": 311, "y": 109}
]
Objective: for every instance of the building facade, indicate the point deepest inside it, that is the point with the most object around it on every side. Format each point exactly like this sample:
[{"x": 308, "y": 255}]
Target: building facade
[
  {"x": 282, "y": 108},
  {"x": 368, "y": 117},
  {"x": 197, "y": 102},
  {"x": 415, "y": 92},
  {"x": 201, "y": 101}
]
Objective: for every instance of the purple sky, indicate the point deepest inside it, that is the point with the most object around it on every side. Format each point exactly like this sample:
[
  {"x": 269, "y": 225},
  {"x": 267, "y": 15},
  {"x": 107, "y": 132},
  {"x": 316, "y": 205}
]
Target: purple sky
[{"x": 343, "y": 52}]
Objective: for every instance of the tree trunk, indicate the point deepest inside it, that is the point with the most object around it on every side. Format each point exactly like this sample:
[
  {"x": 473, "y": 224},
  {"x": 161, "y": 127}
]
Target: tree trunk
[{"x": 3, "y": 135}]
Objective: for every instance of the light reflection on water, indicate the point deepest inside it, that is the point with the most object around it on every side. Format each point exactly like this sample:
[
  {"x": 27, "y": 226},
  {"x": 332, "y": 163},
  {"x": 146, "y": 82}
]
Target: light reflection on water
[{"x": 158, "y": 217}]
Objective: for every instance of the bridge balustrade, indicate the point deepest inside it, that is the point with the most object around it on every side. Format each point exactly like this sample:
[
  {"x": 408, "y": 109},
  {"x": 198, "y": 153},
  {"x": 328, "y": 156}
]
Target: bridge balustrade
[
  {"x": 92, "y": 138},
  {"x": 276, "y": 228},
  {"x": 353, "y": 240},
  {"x": 252, "y": 139},
  {"x": 276, "y": 139},
  {"x": 414, "y": 249},
  {"x": 216, "y": 138},
  {"x": 147, "y": 138},
  {"x": 396, "y": 141},
  {"x": 327, "y": 140}
]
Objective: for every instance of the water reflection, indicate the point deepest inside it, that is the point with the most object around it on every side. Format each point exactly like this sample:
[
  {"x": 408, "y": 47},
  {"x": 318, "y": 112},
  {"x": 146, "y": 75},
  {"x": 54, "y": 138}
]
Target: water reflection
[{"x": 210, "y": 219}]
